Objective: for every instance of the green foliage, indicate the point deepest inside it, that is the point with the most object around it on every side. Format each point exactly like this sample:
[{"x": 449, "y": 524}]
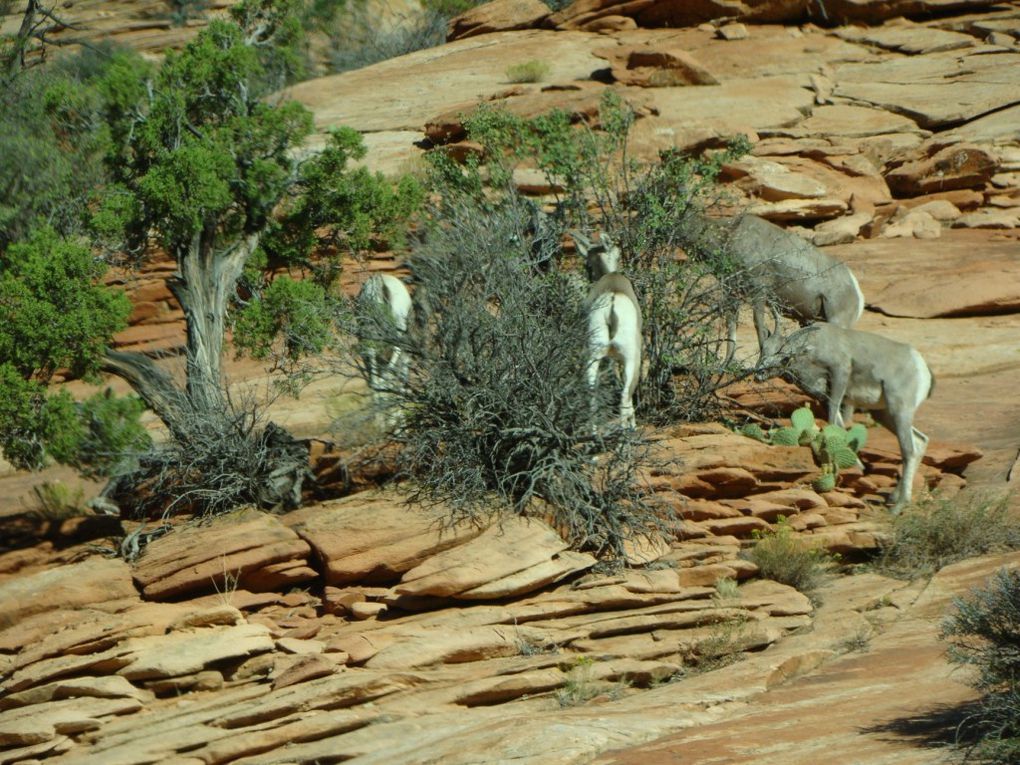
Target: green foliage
[
  {"x": 985, "y": 634},
  {"x": 55, "y": 501},
  {"x": 784, "y": 557},
  {"x": 335, "y": 206},
  {"x": 297, "y": 311},
  {"x": 645, "y": 208},
  {"x": 113, "y": 435},
  {"x": 528, "y": 71},
  {"x": 451, "y": 8},
  {"x": 53, "y": 139},
  {"x": 833, "y": 447},
  {"x": 34, "y": 423},
  {"x": 936, "y": 532},
  {"x": 200, "y": 154},
  {"x": 54, "y": 312}
]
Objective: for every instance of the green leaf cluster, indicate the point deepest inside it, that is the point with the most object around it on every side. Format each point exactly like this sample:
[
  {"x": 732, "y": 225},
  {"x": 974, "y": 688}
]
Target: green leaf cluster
[
  {"x": 834, "y": 448},
  {"x": 298, "y": 311},
  {"x": 55, "y": 314}
]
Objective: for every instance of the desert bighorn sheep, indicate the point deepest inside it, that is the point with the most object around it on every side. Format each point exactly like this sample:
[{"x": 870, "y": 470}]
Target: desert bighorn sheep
[
  {"x": 848, "y": 368},
  {"x": 614, "y": 320},
  {"x": 384, "y": 298},
  {"x": 807, "y": 284}
]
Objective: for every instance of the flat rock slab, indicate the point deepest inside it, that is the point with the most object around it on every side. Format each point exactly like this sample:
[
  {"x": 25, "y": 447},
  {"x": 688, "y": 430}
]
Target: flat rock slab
[
  {"x": 371, "y": 538},
  {"x": 187, "y": 652},
  {"x": 93, "y": 582},
  {"x": 511, "y": 547},
  {"x": 909, "y": 38},
  {"x": 935, "y": 90},
  {"x": 960, "y": 274},
  {"x": 847, "y": 711},
  {"x": 219, "y": 555}
]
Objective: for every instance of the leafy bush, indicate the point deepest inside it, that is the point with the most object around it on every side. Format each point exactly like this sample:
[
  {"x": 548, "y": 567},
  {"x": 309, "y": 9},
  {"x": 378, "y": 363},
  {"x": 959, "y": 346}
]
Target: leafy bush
[
  {"x": 113, "y": 436},
  {"x": 936, "y": 532},
  {"x": 55, "y": 314},
  {"x": 985, "y": 634},
  {"x": 784, "y": 557},
  {"x": 528, "y": 71}
]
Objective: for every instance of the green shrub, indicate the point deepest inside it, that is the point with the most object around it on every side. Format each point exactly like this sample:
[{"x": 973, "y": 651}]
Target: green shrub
[
  {"x": 784, "y": 557},
  {"x": 936, "y": 532},
  {"x": 113, "y": 436},
  {"x": 55, "y": 501},
  {"x": 528, "y": 71},
  {"x": 985, "y": 634}
]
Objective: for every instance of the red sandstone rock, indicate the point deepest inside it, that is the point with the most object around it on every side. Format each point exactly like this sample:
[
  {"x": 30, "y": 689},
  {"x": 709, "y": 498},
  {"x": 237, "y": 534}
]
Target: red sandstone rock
[{"x": 497, "y": 16}]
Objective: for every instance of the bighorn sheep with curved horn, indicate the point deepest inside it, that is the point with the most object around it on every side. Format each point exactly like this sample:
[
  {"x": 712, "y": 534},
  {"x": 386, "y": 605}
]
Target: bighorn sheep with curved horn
[
  {"x": 848, "y": 368},
  {"x": 807, "y": 284},
  {"x": 614, "y": 319},
  {"x": 387, "y": 299}
]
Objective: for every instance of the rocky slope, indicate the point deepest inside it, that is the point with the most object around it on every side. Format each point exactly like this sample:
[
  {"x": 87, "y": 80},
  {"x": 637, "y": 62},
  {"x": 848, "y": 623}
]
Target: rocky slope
[{"x": 354, "y": 629}]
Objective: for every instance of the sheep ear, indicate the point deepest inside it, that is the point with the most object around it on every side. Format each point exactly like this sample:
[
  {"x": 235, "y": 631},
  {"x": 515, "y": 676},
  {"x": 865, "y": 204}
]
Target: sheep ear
[{"x": 581, "y": 242}]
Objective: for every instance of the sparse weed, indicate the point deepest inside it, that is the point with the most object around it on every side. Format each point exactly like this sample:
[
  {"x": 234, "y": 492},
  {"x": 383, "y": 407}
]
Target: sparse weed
[
  {"x": 985, "y": 634},
  {"x": 857, "y": 642},
  {"x": 582, "y": 685},
  {"x": 528, "y": 71},
  {"x": 726, "y": 590},
  {"x": 936, "y": 532},
  {"x": 784, "y": 557}
]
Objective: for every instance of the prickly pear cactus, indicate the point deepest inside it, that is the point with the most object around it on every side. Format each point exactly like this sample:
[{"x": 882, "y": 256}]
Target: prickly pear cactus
[
  {"x": 858, "y": 436},
  {"x": 803, "y": 420},
  {"x": 824, "y": 482},
  {"x": 754, "y": 430},
  {"x": 833, "y": 447},
  {"x": 784, "y": 437}
]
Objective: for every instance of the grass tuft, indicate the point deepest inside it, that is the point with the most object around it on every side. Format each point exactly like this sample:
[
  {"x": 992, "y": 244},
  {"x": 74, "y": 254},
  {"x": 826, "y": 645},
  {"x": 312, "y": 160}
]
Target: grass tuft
[
  {"x": 936, "y": 532},
  {"x": 528, "y": 71},
  {"x": 784, "y": 557}
]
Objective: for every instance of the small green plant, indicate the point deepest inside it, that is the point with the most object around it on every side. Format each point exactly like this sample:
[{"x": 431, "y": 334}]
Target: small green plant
[
  {"x": 721, "y": 647},
  {"x": 784, "y": 557},
  {"x": 56, "y": 501},
  {"x": 858, "y": 642},
  {"x": 528, "y": 71},
  {"x": 726, "y": 589},
  {"x": 936, "y": 532},
  {"x": 581, "y": 685},
  {"x": 985, "y": 634},
  {"x": 834, "y": 448}
]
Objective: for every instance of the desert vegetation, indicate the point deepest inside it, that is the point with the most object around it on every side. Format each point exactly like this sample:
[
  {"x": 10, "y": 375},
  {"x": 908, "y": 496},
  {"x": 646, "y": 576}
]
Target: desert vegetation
[{"x": 984, "y": 634}]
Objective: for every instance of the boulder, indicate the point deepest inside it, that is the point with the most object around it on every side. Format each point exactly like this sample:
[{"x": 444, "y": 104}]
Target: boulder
[
  {"x": 652, "y": 65},
  {"x": 962, "y": 166},
  {"x": 497, "y": 16}
]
